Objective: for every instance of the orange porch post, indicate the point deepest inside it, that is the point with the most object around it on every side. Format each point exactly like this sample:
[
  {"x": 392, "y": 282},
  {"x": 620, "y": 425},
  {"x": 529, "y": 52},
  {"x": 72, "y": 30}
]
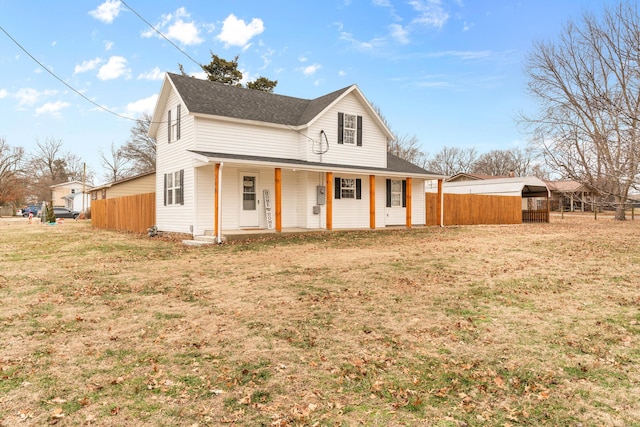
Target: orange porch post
[
  {"x": 372, "y": 201},
  {"x": 216, "y": 210},
  {"x": 329, "y": 201},
  {"x": 278, "y": 199},
  {"x": 408, "y": 195}
]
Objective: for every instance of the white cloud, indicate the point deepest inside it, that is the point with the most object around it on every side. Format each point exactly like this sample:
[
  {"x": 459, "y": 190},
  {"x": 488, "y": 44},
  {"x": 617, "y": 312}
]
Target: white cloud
[
  {"x": 89, "y": 65},
  {"x": 399, "y": 33},
  {"x": 372, "y": 44},
  {"x": 107, "y": 11},
  {"x": 430, "y": 13},
  {"x": 3, "y": 93},
  {"x": 342, "y": 73},
  {"x": 108, "y": 45},
  {"x": 310, "y": 70},
  {"x": 53, "y": 108},
  {"x": 145, "y": 105},
  {"x": 462, "y": 54},
  {"x": 29, "y": 96},
  {"x": 115, "y": 68},
  {"x": 235, "y": 32},
  {"x": 178, "y": 27},
  {"x": 154, "y": 74}
]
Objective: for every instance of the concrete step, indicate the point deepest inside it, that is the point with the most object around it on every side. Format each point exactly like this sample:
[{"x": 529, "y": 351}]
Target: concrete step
[{"x": 200, "y": 241}]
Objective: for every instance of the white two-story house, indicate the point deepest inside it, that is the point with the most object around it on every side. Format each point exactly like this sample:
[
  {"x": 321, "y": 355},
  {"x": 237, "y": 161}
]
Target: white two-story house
[{"x": 231, "y": 158}]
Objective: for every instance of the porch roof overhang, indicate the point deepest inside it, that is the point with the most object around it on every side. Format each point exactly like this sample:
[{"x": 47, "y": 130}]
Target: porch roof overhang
[{"x": 275, "y": 162}]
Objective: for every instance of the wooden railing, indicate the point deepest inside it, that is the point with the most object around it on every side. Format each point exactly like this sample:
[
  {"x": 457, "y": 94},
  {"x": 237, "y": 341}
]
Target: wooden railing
[{"x": 535, "y": 216}]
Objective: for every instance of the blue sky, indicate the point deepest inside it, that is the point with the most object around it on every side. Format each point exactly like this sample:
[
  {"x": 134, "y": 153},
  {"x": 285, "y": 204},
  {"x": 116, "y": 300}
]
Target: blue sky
[{"x": 446, "y": 71}]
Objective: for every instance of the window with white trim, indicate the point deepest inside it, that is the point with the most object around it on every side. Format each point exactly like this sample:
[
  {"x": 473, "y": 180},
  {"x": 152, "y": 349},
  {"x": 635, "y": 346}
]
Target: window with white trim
[
  {"x": 348, "y": 188},
  {"x": 173, "y": 126},
  {"x": 396, "y": 193},
  {"x": 173, "y": 188},
  {"x": 349, "y": 129}
]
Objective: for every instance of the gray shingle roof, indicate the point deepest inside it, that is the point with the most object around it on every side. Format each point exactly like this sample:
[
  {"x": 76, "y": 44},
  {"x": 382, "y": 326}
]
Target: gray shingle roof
[{"x": 207, "y": 97}]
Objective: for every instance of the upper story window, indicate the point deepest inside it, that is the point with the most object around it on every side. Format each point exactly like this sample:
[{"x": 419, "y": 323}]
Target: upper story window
[
  {"x": 349, "y": 129},
  {"x": 173, "y": 124}
]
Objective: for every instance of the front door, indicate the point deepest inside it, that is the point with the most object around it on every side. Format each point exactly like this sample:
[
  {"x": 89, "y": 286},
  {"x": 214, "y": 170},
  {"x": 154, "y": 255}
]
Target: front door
[{"x": 249, "y": 212}]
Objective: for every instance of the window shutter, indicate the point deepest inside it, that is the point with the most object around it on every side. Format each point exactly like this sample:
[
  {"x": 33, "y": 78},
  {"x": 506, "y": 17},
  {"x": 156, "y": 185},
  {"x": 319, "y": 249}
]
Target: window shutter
[
  {"x": 178, "y": 122},
  {"x": 181, "y": 189},
  {"x": 338, "y": 190},
  {"x": 169, "y": 126},
  {"x": 340, "y": 128},
  {"x": 388, "y": 193},
  {"x": 165, "y": 189},
  {"x": 359, "y": 132},
  {"x": 358, "y": 188},
  {"x": 404, "y": 193}
]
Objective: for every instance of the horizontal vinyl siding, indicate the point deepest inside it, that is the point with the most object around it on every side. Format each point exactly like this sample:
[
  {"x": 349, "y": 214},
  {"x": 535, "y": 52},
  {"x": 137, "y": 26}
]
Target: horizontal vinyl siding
[
  {"x": 372, "y": 153},
  {"x": 204, "y": 199},
  {"x": 418, "y": 204},
  {"x": 143, "y": 185},
  {"x": 172, "y": 157},
  {"x": 351, "y": 213},
  {"x": 290, "y": 198},
  {"x": 243, "y": 139}
]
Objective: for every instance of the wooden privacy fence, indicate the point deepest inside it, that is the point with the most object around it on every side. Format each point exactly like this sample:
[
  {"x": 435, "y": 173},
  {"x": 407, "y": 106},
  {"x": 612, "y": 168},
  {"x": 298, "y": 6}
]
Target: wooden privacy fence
[
  {"x": 470, "y": 209},
  {"x": 128, "y": 213}
]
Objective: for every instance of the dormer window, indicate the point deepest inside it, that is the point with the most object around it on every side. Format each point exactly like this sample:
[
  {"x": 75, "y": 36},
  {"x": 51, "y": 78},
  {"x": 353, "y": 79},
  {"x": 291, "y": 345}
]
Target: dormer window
[{"x": 349, "y": 129}]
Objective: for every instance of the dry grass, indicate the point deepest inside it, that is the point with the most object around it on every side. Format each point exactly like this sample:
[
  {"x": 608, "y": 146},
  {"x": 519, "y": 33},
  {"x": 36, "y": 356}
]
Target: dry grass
[{"x": 471, "y": 326}]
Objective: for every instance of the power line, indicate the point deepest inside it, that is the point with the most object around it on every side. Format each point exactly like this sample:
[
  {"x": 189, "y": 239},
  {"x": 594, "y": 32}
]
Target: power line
[
  {"x": 160, "y": 33},
  {"x": 62, "y": 81}
]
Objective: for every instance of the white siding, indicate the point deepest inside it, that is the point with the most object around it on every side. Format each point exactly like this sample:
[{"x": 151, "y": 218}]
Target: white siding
[
  {"x": 372, "y": 153},
  {"x": 351, "y": 213},
  {"x": 205, "y": 203},
  {"x": 173, "y": 157},
  {"x": 418, "y": 213},
  {"x": 239, "y": 138}
]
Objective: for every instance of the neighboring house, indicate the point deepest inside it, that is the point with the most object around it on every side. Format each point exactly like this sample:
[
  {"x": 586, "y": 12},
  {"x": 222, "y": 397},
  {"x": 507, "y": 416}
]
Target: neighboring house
[
  {"x": 73, "y": 195},
  {"x": 568, "y": 195},
  {"x": 230, "y": 158},
  {"x": 139, "y": 184}
]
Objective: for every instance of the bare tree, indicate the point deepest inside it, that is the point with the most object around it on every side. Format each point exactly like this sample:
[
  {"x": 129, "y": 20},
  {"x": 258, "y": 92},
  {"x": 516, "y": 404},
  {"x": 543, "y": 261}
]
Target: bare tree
[
  {"x": 51, "y": 165},
  {"x": 452, "y": 160},
  {"x": 11, "y": 181},
  {"x": 140, "y": 149},
  {"x": 587, "y": 85},
  {"x": 495, "y": 163},
  {"x": 116, "y": 165},
  {"x": 408, "y": 148}
]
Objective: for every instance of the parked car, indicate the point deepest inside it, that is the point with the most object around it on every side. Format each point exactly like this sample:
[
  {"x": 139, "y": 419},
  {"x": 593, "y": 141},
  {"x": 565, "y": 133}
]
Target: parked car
[
  {"x": 30, "y": 209},
  {"x": 65, "y": 213}
]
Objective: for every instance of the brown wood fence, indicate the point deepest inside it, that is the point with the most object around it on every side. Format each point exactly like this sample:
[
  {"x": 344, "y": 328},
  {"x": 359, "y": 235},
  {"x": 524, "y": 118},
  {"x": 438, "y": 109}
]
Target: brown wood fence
[
  {"x": 469, "y": 209},
  {"x": 128, "y": 213},
  {"x": 535, "y": 216}
]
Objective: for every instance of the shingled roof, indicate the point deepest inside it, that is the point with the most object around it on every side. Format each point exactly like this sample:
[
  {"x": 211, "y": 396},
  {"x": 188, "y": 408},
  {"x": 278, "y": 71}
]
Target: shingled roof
[{"x": 217, "y": 99}]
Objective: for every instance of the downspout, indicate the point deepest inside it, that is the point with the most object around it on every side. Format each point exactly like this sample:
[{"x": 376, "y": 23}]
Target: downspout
[{"x": 219, "y": 236}]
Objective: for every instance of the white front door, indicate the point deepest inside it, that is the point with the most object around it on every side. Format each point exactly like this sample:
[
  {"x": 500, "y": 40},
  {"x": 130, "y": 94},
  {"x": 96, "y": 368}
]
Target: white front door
[{"x": 249, "y": 209}]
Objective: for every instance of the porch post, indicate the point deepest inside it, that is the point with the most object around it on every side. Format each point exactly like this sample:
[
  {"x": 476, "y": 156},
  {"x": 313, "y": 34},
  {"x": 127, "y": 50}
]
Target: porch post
[
  {"x": 215, "y": 200},
  {"x": 329, "y": 193},
  {"x": 440, "y": 204},
  {"x": 408, "y": 196},
  {"x": 278, "y": 199},
  {"x": 372, "y": 202}
]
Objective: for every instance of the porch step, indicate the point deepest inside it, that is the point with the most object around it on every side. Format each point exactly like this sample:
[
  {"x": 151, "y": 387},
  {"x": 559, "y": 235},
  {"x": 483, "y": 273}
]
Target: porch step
[{"x": 200, "y": 241}]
